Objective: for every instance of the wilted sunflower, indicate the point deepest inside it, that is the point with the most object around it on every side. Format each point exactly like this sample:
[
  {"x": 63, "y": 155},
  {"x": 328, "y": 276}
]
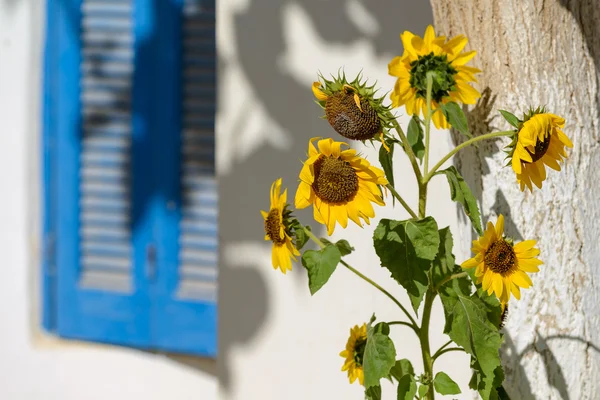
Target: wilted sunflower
[
  {"x": 354, "y": 354},
  {"x": 539, "y": 141},
  {"x": 352, "y": 109},
  {"x": 501, "y": 265},
  {"x": 450, "y": 79},
  {"x": 339, "y": 184},
  {"x": 277, "y": 222}
]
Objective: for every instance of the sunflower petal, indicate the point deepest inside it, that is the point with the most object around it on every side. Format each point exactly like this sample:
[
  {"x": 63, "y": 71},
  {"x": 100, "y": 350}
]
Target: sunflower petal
[{"x": 318, "y": 92}]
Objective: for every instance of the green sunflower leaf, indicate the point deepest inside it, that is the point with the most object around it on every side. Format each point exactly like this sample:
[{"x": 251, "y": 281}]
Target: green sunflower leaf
[
  {"x": 468, "y": 325},
  {"x": 407, "y": 388},
  {"x": 443, "y": 384},
  {"x": 401, "y": 368},
  {"x": 489, "y": 387},
  {"x": 456, "y": 117},
  {"x": 414, "y": 135},
  {"x": 320, "y": 265},
  {"x": 510, "y": 118},
  {"x": 343, "y": 246},
  {"x": 387, "y": 161},
  {"x": 423, "y": 390},
  {"x": 380, "y": 354},
  {"x": 373, "y": 393},
  {"x": 443, "y": 264},
  {"x": 461, "y": 193},
  {"x": 301, "y": 236},
  {"x": 406, "y": 248}
]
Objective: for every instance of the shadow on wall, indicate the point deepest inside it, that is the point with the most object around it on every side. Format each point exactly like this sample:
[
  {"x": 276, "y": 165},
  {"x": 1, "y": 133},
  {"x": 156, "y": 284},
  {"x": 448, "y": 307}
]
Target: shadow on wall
[
  {"x": 260, "y": 42},
  {"x": 472, "y": 163}
]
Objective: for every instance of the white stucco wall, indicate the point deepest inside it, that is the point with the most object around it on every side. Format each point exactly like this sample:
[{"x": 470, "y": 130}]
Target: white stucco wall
[
  {"x": 34, "y": 366},
  {"x": 276, "y": 342}
]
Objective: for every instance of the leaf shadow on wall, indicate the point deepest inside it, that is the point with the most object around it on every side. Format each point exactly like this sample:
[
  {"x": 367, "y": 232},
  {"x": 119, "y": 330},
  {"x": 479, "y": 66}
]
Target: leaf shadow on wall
[
  {"x": 260, "y": 42},
  {"x": 472, "y": 163}
]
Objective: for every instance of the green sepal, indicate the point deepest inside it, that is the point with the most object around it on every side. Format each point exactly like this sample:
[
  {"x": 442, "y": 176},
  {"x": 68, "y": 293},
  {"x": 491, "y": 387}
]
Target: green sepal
[{"x": 511, "y": 119}]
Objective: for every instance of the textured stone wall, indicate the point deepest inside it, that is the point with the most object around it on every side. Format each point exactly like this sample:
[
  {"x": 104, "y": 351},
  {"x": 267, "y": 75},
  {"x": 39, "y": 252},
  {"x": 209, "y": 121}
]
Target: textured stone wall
[{"x": 541, "y": 53}]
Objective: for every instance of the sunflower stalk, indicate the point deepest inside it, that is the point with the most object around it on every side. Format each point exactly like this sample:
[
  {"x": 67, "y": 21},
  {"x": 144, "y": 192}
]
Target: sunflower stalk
[
  {"x": 434, "y": 85},
  {"x": 413, "y": 323},
  {"x": 449, "y": 278},
  {"x": 401, "y": 200},
  {"x": 493, "y": 135}
]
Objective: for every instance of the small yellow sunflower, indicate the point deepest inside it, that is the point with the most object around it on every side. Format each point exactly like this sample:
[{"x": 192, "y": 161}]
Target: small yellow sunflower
[
  {"x": 501, "y": 265},
  {"x": 352, "y": 109},
  {"x": 540, "y": 141},
  {"x": 277, "y": 229},
  {"x": 339, "y": 184},
  {"x": 354, "y": 353},
  {"x": 451, "y": 76}
]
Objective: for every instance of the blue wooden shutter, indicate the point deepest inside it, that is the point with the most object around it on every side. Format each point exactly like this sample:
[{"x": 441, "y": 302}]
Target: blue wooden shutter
[
  {"x": 130, "y": 177},
  {"x": 102, "y": 229},
  {"x": 186, "y": 312}
]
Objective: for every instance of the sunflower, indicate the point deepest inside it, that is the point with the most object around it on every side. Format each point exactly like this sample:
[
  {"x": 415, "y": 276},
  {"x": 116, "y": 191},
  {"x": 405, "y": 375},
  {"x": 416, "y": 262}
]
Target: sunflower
[
  {"x": 446, "y": 61},
  {"x": 352, "y": 109},
  {"x": 277, "y": 229},
  {"x": 354, "y": 354},
  {"x": 339, "y": 184},
  {"x": 539, "y": 141},
  {"x": 501, "y": 265}
]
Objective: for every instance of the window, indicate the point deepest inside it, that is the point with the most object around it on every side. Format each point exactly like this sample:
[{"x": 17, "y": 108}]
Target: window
[{"x": 130, "y": 197}]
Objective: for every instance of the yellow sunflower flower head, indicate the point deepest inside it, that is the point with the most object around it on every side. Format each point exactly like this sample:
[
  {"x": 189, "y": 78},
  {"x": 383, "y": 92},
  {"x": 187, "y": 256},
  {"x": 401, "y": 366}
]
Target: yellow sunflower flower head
[
  {"x": 538, "y": 142},
  {"x": 278, "y": 222},
  {"x": 351, "y": 108},
  {"x": 339, "y": 184},
  {"x": 446, "y": 61},
  {"x": 354, "y": 354},
  {"x": 502, "y": 266}
]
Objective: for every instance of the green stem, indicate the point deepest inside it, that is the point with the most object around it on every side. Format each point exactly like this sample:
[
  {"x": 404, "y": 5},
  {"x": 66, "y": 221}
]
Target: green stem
[
  {"x": 409, "y": 151},
  {"x": 382, "y": 290},
  {"x": 424, "y": 338},
  {"x": 448, "y": 343},
  {"x": 423, "y": 182},
  {"x": 449, "y": 278},
  {"x": 439, "y": 353},
  {"x": 401, "y": 200},
  {"x": 402, "y": 323},
  {"x": 429, "y": 174},
  {"x": 428, "y": 121},
  {"x": 413, "y": 324}
]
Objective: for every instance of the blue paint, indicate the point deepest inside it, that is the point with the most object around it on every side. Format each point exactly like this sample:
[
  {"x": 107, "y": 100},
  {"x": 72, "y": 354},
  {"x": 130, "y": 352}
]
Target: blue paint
[
  {"x": 152, "y": 314},
  {"x": 48, "y": 173},
  {"x": 83, "y": 313}
]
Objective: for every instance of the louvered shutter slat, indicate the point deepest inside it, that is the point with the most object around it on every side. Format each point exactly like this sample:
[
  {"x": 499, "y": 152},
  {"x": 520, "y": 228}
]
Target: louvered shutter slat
[{"x": 99, "y": 297}]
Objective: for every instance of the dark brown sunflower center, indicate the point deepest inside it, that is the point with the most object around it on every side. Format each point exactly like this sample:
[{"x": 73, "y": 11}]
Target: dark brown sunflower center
[
  {"x": 273, "y": 227},
  {"x": 500, "y": 257},
  {"x": 540, "y": 149},
  {"x": 359, "y": 351},
  {"x": 335, "y": 180},
  {"x": 348, "y": 120}
]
